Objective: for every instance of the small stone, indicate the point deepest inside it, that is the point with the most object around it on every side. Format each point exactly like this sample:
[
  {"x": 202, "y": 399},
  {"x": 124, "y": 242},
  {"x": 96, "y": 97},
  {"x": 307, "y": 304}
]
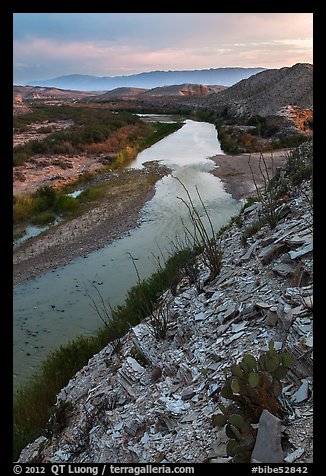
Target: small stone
[
  {"x": 252, "y": 207},
  {"x": 190, "y": 417},
  {"x": 132, "y": 427},
  {"x": 249, "y": 252},
  {"x": 284, "y": 270},
  {"x": 309, "y": 342},
  {"x": 231, "y": 311},
  {"x": 118, "y": 426},
  {"x": 220, "y": 460},
  {"x": 282, "y": 211},
  {"x": 200, "y": 316},
  {"x": 271, "y": 318},
  {"x": 187, "y": 393},
  {"x": 262, "y": 304},
  {"x": 271, "y": 252},
  {"x": 239, "y": 327}
]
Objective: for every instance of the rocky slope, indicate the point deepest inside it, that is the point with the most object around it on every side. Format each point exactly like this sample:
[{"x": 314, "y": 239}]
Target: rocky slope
[
  {"x": 19, "y": 105},
  {"x": 265, "y": 93},
  {"x": 144, "y": 399},
  {"x": 119, "y": 93},
  {"x": 184, "y": 90}
]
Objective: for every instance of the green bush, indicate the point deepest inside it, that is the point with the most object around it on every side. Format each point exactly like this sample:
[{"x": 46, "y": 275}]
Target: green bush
[
  {"x": 43, "y": 218},
  {"x": 90, "y": 194},
  {"x": 299, "y": 166},
  {"x": 65, "y": 204},
  {"x": 253, "y": 228},
  {"x": 47, "y": 194},
  {"x": 23, "y": 209}
]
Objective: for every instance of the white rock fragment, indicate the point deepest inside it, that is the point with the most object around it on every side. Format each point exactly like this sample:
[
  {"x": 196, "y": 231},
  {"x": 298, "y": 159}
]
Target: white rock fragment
[
  {"x": 295, "y": 455},
  {"x": 234, "y": 337},
  {"x": 302, "y": 393}
]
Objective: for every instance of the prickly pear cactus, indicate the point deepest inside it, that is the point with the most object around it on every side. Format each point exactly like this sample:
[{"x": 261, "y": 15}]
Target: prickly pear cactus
[{"x": 252, "y": 385}]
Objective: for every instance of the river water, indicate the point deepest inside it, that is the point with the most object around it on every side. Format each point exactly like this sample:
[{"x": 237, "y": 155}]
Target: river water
[{"x": 55, "y": 307}]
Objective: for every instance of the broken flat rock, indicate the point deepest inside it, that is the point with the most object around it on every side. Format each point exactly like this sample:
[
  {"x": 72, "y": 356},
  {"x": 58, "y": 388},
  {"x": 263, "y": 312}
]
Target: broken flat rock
[
  {"x": 283, "y": 269},
  {"x": 294, "y": 254},
  {"x": 268, "y": 448},
  {"x": 302, "y": 393},
  {"x": 269, "y": 253}
]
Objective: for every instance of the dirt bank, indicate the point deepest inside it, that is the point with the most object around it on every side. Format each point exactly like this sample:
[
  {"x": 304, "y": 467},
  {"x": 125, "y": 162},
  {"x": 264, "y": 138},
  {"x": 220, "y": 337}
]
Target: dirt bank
[
  {"x": 236, "y": 175},
  {"x": 107, "y": 221}
]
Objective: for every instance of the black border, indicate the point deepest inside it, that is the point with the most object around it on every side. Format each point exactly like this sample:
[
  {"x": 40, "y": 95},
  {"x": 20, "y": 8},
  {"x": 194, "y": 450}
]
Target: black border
[{"x": 6, "y": 29}]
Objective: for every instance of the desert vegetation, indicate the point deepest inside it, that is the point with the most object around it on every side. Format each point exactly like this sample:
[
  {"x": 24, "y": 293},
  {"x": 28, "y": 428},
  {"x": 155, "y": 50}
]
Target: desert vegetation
[
  {"x": 252, "y": 385},
  {"x": 94, "y": 131}
]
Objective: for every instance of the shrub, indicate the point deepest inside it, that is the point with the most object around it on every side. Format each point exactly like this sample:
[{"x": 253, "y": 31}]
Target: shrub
[
  {"x": 47, "y": 194},
  {"x": 90, "y": 194},
  {"x": 253, "y": 228},
  {"x": 159, "y": 318},
  {"x": 269, "y": 194},
  {"x": 65, "y": 204},
  {"x": 300, "y": 163},
  {"x": 204, "y": 241},
  {"x": 23, "y": 209},
  {"x": 43, "y": 218}
]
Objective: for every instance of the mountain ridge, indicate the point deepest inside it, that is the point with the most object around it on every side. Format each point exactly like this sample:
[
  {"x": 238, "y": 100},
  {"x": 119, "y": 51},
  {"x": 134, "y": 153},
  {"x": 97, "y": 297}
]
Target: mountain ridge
[{"x": 149, "y": 79}]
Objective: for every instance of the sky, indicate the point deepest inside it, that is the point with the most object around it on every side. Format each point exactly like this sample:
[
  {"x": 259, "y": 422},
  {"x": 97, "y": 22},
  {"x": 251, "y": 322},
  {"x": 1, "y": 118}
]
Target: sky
[{"x": 48, "y": 45}]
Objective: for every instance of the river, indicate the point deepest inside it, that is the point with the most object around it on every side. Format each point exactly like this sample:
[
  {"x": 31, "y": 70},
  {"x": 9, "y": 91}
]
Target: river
[{"x": 55, "y": 307}]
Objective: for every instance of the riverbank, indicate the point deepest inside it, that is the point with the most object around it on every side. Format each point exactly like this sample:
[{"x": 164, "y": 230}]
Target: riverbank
[
  {"x": 235, "y": 173},
  {"x": 107, "y": 221}
]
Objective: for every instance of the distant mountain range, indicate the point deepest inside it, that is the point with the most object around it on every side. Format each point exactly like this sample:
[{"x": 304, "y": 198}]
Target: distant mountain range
[{"x": 149, "y": 80}]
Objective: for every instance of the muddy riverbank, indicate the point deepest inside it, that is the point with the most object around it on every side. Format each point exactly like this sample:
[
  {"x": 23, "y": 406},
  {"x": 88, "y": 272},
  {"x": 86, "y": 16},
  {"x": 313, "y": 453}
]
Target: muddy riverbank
[{"x": 235, "y": 173}]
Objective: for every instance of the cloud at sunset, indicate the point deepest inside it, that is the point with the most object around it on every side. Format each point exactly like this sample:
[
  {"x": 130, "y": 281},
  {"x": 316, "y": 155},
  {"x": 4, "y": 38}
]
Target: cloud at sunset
[{"x": 111, "y": 44}]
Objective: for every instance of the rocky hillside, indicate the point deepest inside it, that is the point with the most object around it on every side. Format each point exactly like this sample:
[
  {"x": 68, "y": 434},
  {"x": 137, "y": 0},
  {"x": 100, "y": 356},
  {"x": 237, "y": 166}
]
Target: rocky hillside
[
  {"x": 168, "y": 92},
  {"x": 184, "y": 90},
  {"x": 141, "y": 399},
  {"x": 19, "y": 105},
  {"x": 119, "y": 93},
  {"x": 265, "y": 93}
]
